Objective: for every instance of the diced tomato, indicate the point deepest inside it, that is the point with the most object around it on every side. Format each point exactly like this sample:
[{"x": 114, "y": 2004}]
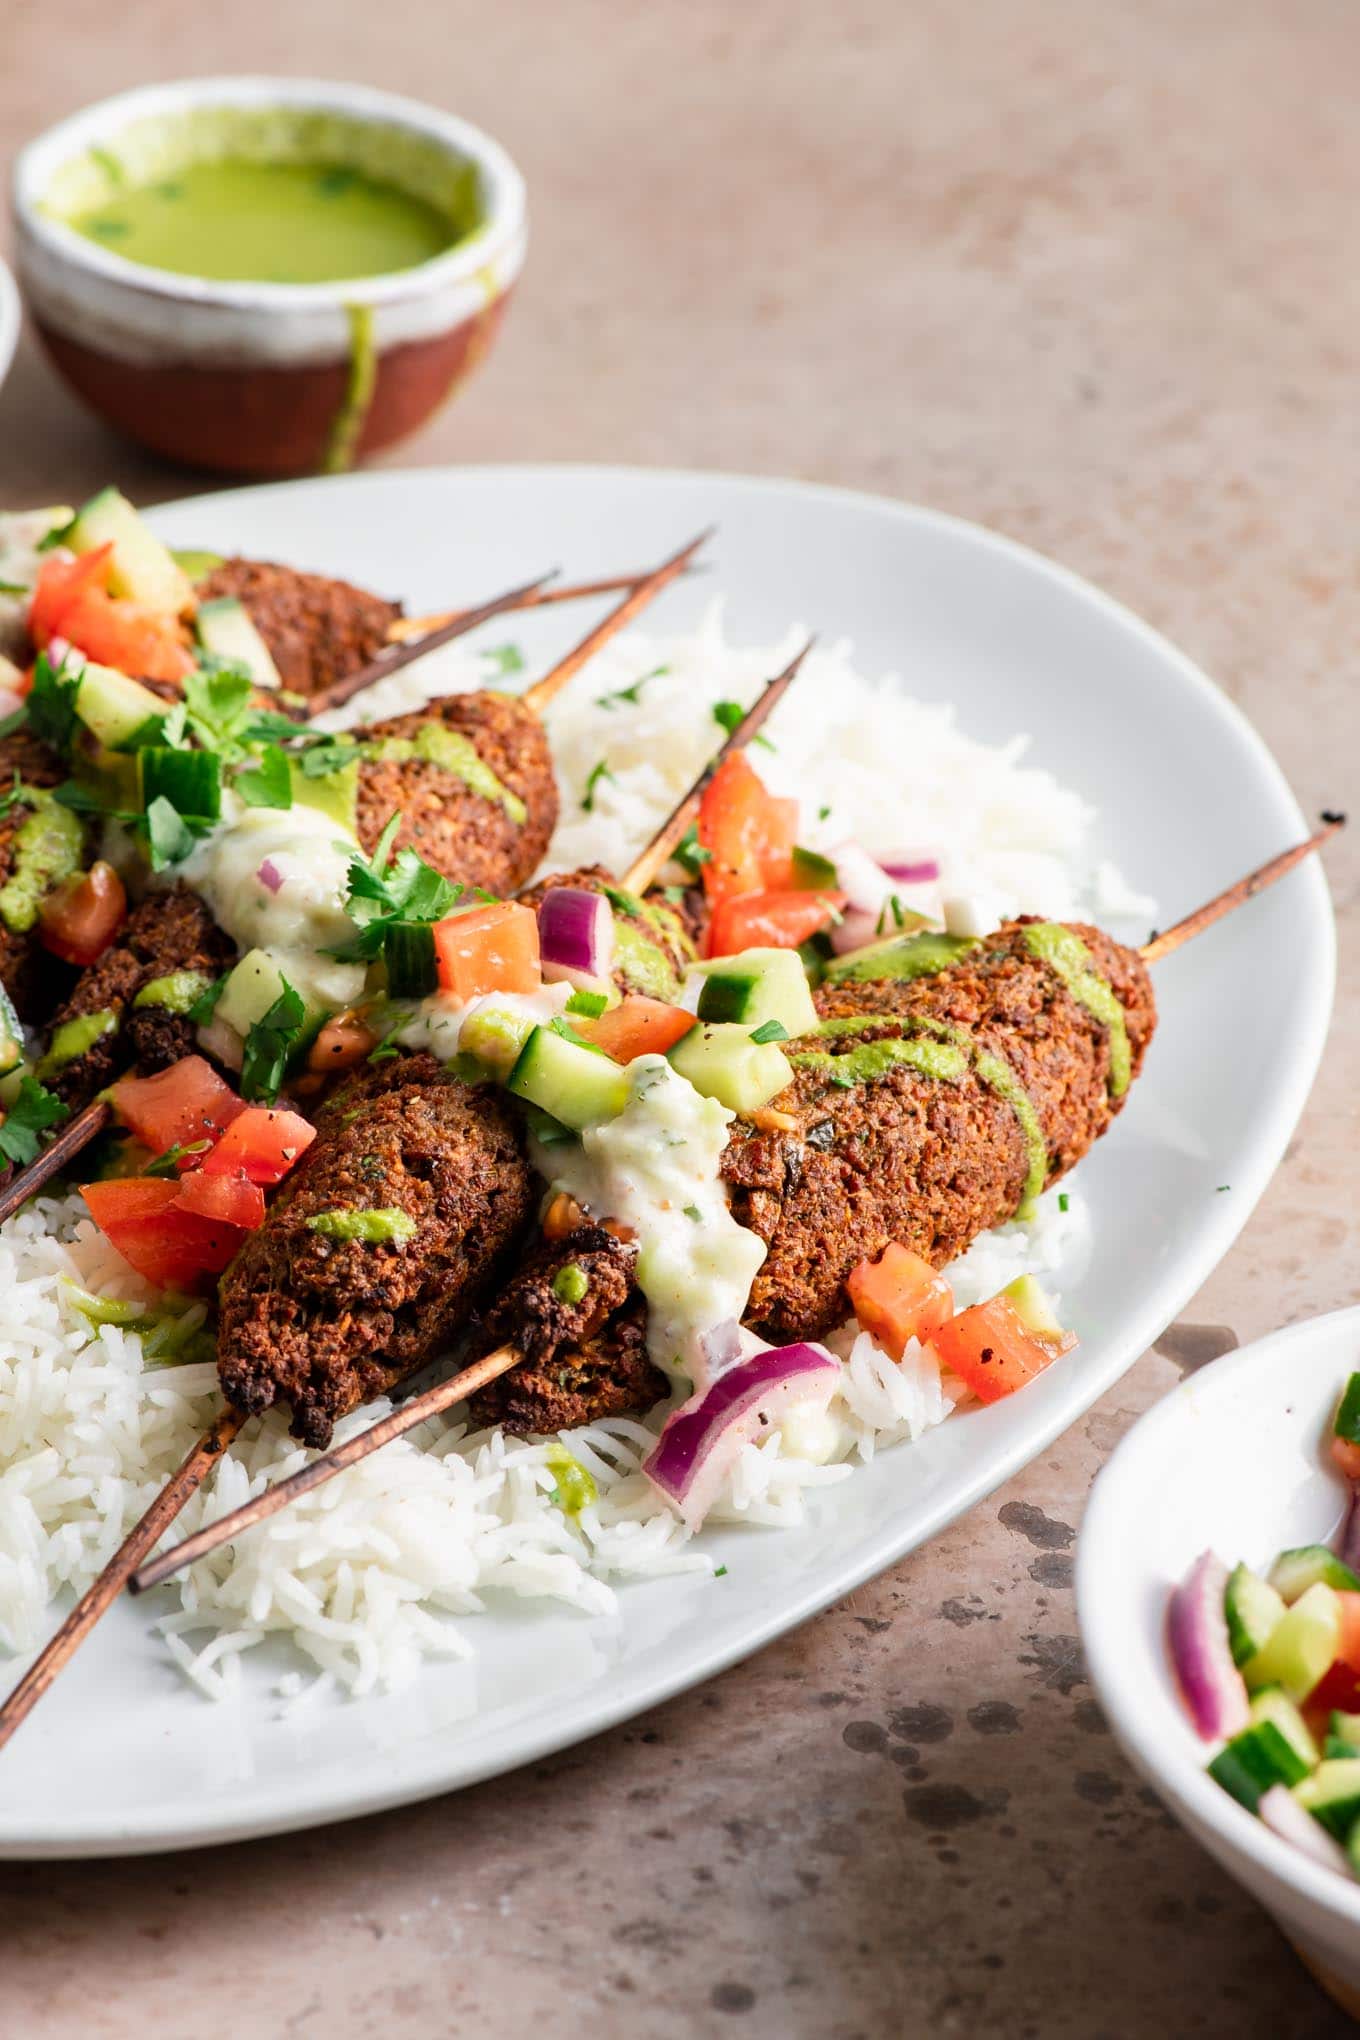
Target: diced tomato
[
  {"x": 899, "y": 1297},
  {"x": 991, "y": 1352},
  {"x": 769, "y": 920},
  {"x": 636, "y": 1026},
  {"x": 177, "y": 1107},
  {"x": 72, "y": 601},
  {"x": 1347, "y": 1457},
  {"x": 1340, "y": 1684},
  {"x": 79, "y": 920},
  {"x": 260, "y": 1145},
  {"x": 489, "y": 949},
  {"x": 172, "y": 1247},
  {"x": 226, "y": 1200},
  {"x": 748, "y": 833}
]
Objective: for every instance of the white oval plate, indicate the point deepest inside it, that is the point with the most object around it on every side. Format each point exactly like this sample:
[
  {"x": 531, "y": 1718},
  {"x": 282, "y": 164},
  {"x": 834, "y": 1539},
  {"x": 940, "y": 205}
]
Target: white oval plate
[
  {"x": 9, "y": 321},
  {"x": 122, "y": 1756}
]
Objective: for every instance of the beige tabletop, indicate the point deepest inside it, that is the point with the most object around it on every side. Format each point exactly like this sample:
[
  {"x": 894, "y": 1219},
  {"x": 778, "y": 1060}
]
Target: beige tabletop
[{"x": 1085, "y": 273}]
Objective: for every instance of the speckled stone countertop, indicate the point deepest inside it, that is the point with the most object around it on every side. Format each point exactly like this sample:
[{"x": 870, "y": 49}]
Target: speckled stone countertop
[{"x": 1085, "y": 275}]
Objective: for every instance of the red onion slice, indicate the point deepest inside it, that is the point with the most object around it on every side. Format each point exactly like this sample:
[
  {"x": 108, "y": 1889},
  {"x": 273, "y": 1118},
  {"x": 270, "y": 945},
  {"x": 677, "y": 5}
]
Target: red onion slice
[
  {"x": 908, "y": 870},
  {"x": 576, "y": 938},
  {"x": 269, "y": 875},
  {"x": 861, "y": 878},
  {"x": 1283, "y": 1815},
  {"x": 1197, "y": 1633},
  {"x": 695, "y": 1451}
]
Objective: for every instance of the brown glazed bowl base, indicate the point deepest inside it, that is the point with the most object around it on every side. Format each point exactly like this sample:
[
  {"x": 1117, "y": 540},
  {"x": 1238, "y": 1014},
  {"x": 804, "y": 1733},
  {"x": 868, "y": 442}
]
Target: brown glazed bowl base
[{"x": 258, "y": 420}]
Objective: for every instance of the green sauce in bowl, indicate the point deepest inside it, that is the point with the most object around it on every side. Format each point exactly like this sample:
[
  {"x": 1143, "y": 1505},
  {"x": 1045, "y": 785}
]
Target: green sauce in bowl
[{"x": 234, "y": 220}]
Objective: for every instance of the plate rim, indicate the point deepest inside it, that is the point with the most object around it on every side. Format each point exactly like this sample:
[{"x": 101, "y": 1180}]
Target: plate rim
[
  {"x": 623, "y": 1699},
  {"x": 11, "y": 320}
]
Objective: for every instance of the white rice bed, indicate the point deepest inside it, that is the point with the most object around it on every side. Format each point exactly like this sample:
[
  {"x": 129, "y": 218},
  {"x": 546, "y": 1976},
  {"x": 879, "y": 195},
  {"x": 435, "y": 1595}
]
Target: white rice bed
[{"x": 368, "y": 1575}]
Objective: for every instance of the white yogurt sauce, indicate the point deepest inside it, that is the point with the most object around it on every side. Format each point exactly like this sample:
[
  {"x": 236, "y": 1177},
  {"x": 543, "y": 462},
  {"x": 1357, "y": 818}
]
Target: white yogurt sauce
[
  {"x": 655, "y": 1169},
  {"x": 311, "y": 853},
  {"x": 437, "y": 1022}
]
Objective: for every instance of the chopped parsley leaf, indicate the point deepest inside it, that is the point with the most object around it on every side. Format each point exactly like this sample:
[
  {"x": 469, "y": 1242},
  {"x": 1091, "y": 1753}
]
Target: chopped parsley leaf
[
  {"x": 770, "y": 1030},
  {"x": 386, "y": 891},
  {"x": 597, "y": 773},
  {"x": 693, "y": 1212},
  {"x": 504, "y": 659},
  {"x": 822, "y": 813},
  {"x": 728, "y": 715},
  {"x": 269, "y": 1044},
  {"x": 28, "y": 1118},
  {"x": 268, "y": 783},
  {"x": 168, "y": 1163},
  {"x": 622, "y": 902},
  {"x": 631, "y": 696},
  {"x": 690, "y": 853},
  {"x": 205, "y": 1005},
  {"x": 1064, "y": 1201},
  {"x": 52, "y": 704},
  {"x": 589, "y": 1004}
]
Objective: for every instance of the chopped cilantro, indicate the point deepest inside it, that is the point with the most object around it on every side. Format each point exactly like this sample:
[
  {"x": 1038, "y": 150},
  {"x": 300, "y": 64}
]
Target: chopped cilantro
[
  {"x": 632, "y": 696},
  {"x": 52, "y": 704},
  {"x": 597, "y": 773},
  {"x": 890, "y": 910},
  {"x": 693, "y": 1212},
  {"x": 728, "y": 715},
  {"x": 1064, "y": 1201},
  {"x": 331, "y": 754},
  {"x": 169, "y": 838},
  {"x": 770, "y": 1030},
  {"x": 205, "y": 1005},
  {"x": 568, "y": 1033},
  {"x": 15, "y": 588},
  {"x": 14, "y": 721},
  {"x": 269, "y": 783},
  {"x": 504, "y": 659},
  {"x": 822, "y": 813},
  {"x": 387, "y": 891},
  {"x": 589, "y": 1004},
  {"x": 269, "y": 1044},
  {"x": 217, "y": 698},
  {"x": 28, "y": 1118},
  {"x": 622, "y": 902},
  {"x": 690, "y": 853},
  {"x": 720, "y": 1572}
]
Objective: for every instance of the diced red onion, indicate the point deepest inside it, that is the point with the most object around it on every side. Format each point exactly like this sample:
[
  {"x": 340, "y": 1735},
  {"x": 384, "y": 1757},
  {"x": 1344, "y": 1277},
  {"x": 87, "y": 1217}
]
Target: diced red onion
[
  {"x": 721, "y": 1348},
  {"x": 59, "y": 650},
  {"x": 908, "y": 870},
  {"x": 1348, "y": 1544},
  {"x": 695, "y": 1451},
  {"x": 1197, "y": 1633},
  {"x": 861, "y": 878},
  {"x": 269, "y": 875},
  {"x": 1283, "y": 1815},
  {"x": 576, "y": 938},
  {"x": 857, "y": 928}
]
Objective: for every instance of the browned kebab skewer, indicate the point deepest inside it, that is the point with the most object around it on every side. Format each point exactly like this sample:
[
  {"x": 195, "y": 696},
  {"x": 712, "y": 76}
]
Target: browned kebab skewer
[
  {"x": 492, "y": 1192},
  {"x": 467, "y": 837},
  {"x": 855, "y": 1001}
]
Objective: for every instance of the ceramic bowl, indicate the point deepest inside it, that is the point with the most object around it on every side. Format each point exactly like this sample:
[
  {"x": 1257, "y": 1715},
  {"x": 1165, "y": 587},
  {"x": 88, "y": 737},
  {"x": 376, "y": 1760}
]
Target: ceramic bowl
[
  {"x": 1234, "y": 1460},
  {"x": 266, "y": 378},
  {"x": 9, "y": 321}
]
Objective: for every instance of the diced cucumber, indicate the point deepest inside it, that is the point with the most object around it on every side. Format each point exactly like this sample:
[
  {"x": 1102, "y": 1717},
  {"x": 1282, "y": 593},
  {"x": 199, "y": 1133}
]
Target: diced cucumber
[
  {"x": 757, "y": 986},
  {"x": 1300, "y": 1647},
  {"x": 723, "y": 1062},
  {"x": 1345, "y": 1728},
  {"x": 196, "y": 565},
  {"x": 812, "y": 872},
  {"x": 226, "y": 628},
  {"x": 1254, "y": 1761},
  {"x": 11, "y": 1035},
  {"x": 575, "y": 1085},
  {"x": 114, "y": 707},
  {"x": 1273, "y": 1704},
  {"x": 253, "y": 986},
  {"x": 1295, "y": 1571},
  {"x": 1253, "y": 1608},
  {"x": 1347, "y": 1422},
  {"x": 1332, "y": 1794},
  {"x": 901, "y": 957},
  {"x": 1029, "y": 1300},
  {"x": 140, "y": 566},
  {"x": 495, "y": 1036}
]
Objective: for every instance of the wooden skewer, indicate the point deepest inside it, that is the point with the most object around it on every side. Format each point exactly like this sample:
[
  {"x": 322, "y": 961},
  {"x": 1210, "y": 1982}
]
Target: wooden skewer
[
  {"x": 74, "y": 1136},
  {"x": 408, "y": 627},
  {"x": 399, "y": 655},
  {"x": 110, "y": 1583},
  {"x": 686, "y": 812},
  {"x": 644, "y": 591},
  {"x": 636, "y": 879},
  {"x": 433, "y": 1401},
  {"x": 228, "y": 1528},
  {"x": 1237, "y": 895}
]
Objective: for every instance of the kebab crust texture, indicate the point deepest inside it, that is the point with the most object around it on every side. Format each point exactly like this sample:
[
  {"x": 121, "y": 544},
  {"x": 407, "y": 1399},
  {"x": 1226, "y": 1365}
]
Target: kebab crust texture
[
  {"x": 926, "y": 1161},
  {"x": 323, "y": 1322},
  {"x": 171, "y": 931},
  {"x": 31, "y": 976},
  {"x": 653, "y": 945},
  {"x": 318, "y": 630},
  {"x": 479, "y": 838},
  {"x": 583, "y": 1358}
]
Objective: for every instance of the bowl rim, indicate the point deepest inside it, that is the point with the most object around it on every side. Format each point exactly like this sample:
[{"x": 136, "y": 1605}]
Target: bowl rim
[
  {"x": 503, "y": 225},
  {"x": 1117, "y": 1495},
  {"x": 11, "y": 320}
]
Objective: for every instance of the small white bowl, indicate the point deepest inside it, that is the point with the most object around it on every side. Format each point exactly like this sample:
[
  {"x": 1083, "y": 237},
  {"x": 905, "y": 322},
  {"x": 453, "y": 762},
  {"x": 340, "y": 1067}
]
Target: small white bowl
[
  {"x": 266, "y": 378},
  {"x": 1233, "y": 1460},
  {"x": 9, "y": 321}
]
